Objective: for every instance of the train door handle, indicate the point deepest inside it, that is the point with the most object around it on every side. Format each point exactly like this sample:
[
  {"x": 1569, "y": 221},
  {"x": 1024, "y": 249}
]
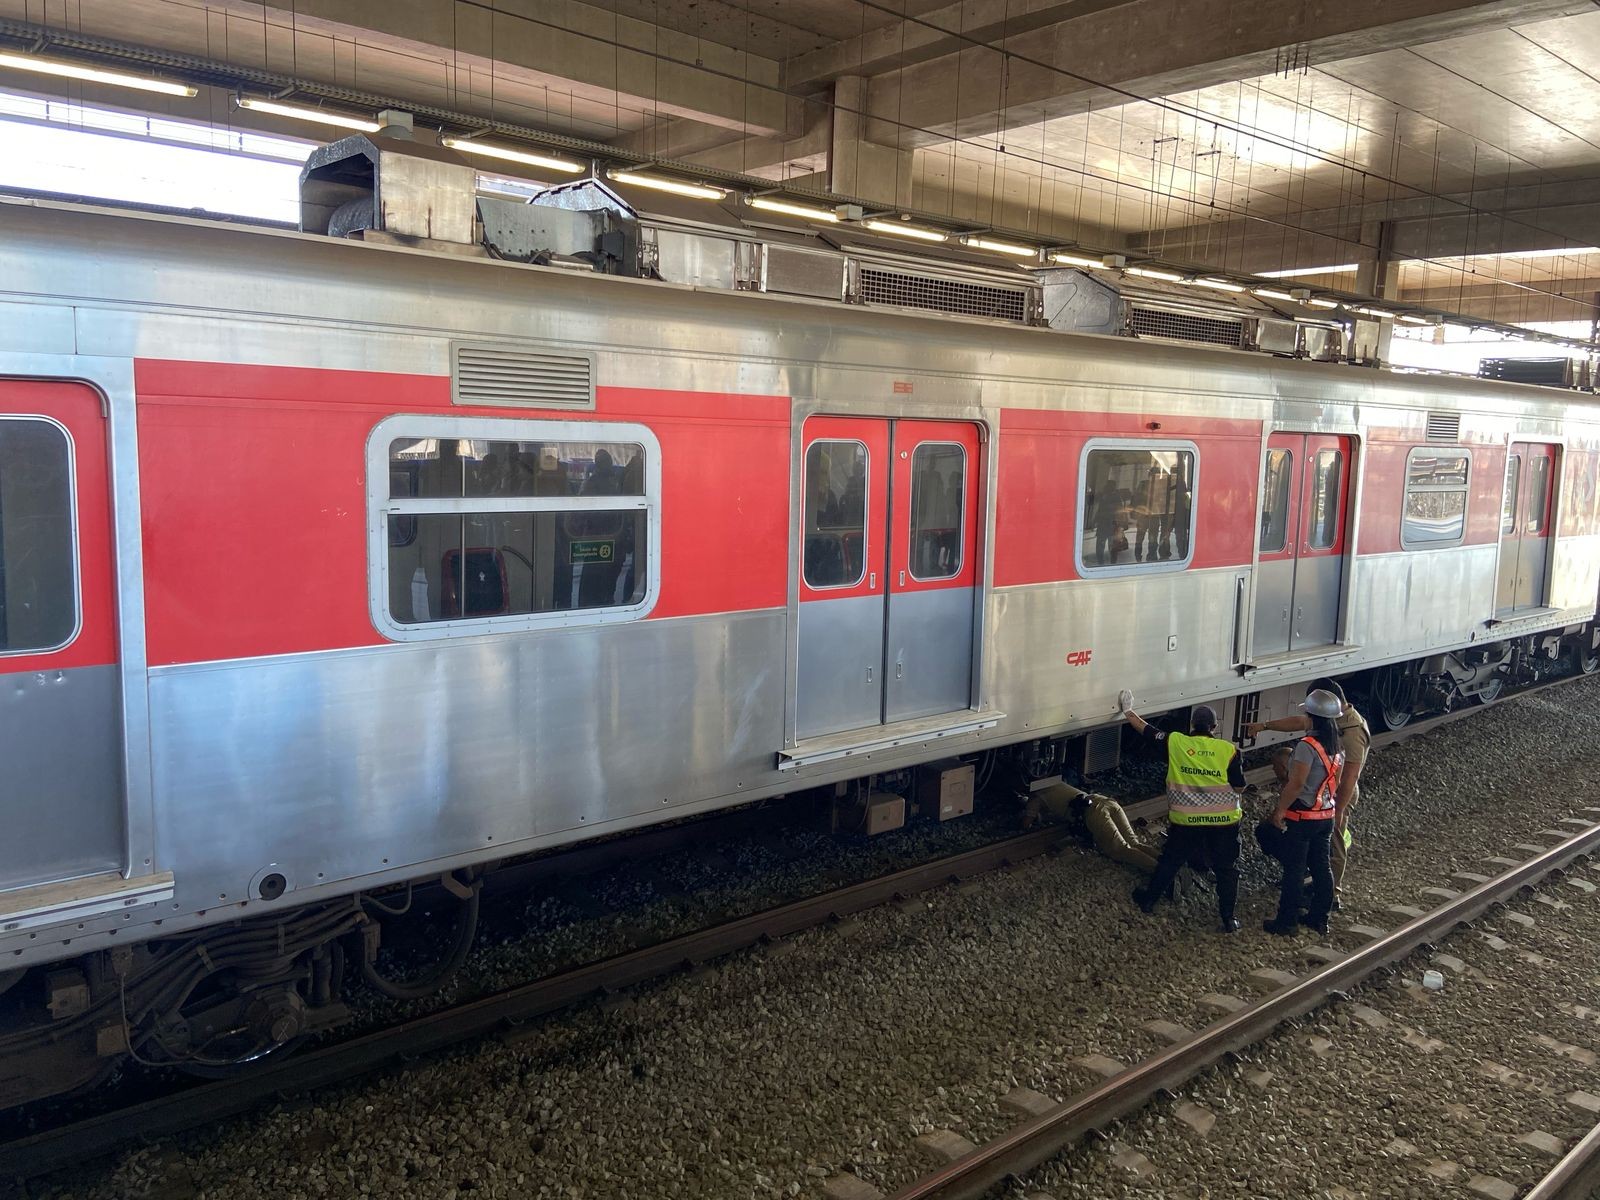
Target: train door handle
[
  {"x": 869, "y": 674},
  {"x": 902, "y": 579},
  {"x": 899, "y": 670},
  {"x": 872, "y": 580}
]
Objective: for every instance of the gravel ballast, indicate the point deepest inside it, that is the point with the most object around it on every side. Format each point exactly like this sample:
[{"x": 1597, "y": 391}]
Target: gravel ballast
[{"x": 833, "y": 1050}]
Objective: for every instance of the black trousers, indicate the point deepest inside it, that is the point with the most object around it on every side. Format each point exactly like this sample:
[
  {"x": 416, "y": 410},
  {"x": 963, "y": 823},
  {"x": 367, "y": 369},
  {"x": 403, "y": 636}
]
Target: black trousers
[
  {"x": 1216, "y": 845},
  {"x": 1303, "y": 847}
]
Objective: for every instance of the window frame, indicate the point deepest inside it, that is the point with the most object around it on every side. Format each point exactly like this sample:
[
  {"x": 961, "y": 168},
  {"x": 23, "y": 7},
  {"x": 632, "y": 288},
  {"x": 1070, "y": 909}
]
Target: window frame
[
  {"x": 1288, "y": 499},
  {"x": 380, "y": 507},
  {"x": 866, "y": 512},
  {"x": 961, "y": 525},
  {"x": 72, "y": 532},
  {"x": 1088, "y": 570},
  {"x": 1317, "y": 493},
  {"x": 1512, "y": 487},
  {"x": 1464, "y": 488},
  {"x": 1537, "y": 522}
]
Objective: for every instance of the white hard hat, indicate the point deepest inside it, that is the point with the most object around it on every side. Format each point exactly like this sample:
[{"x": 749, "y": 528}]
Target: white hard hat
[{"x": 1322, "y": 704}]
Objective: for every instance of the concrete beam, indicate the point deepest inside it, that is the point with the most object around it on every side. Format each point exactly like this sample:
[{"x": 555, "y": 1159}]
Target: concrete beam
[
  {"x": 1505, "y": 220},
  {"x": 1154, "y": 48},
  {"x": 934, "y": 34}
]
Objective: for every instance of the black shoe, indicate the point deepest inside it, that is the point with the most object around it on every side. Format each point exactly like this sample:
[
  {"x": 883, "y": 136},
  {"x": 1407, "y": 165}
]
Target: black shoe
[
  {"x": 1334, "y": 907},
  {"x": 1320, "y": 926},
  {"x": 1145, "y": 901},
  {"x": 1280, "y": 930},
  {"x": 1229, "y": 925}
]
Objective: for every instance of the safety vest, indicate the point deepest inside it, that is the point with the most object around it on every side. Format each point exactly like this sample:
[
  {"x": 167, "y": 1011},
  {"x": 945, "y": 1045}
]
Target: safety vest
[
  {"x": 1323, "y": 804},
  {"x": 1198, "y": 792}
]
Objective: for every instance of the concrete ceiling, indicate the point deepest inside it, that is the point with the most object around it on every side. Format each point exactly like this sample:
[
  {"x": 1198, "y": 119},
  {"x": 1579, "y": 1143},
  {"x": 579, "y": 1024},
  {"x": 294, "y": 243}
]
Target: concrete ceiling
[{"x": 1232, "y": 134}]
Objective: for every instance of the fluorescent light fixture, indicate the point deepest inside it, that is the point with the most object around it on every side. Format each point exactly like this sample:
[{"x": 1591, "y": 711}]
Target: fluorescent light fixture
[
  {"x": 1271, "y": 294},
  {"x": 805, "y": 212},
  {"x": 678, "y": 187},
  {"x": 983, "y": 243},
  {"x": 1220, "y": 285},
  {"x": 1553, "y": 253},
  {"x": 911, "y": 231},
  {"x": 299, "y": 112},
  {"x": 1297, "y": 272},
  {"x": 1410, "y": 320},
  {"x": 1152, "y": 273},
  {"x": 1371, "y": 312},
  {"x": 66, "y": 70},
  {"x": 1319, "y": 302},
  {"x": 1072, "y": 260},
  {"x": 489, "y": 150}
]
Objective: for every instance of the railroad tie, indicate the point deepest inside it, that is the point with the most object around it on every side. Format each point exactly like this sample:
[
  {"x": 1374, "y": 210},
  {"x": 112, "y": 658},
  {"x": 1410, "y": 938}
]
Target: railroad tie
[
  {"x": 1544, "y": 1143},
  {"x": 1492, "y": 1187}
]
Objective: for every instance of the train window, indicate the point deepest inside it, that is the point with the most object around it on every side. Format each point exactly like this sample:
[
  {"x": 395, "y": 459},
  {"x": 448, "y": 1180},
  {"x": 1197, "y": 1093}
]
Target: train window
[
  {"x": 1538, "y": 494},
  {"x": 494, "y": 524},
  {"x": 1275, "y": 512},
  {"x": 836, "y": 514},
  {"x": 938, "y": 501},
  {"x": 1136, "y": 511},
  {"x": 1508, "y": 504},
  {"x": 38, "y": 562},
  {"x": 1436, "y": 498},
  {"x": 1326, "y": 484}
]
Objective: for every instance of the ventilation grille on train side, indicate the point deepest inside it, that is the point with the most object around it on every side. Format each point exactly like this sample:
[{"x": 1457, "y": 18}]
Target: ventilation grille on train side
[
  {"x": 1444, "y": 427},
  {"x": 942, "y": 295},
  {"x": 1185, "y": 327},
  {"x": 502, "y": 376}
]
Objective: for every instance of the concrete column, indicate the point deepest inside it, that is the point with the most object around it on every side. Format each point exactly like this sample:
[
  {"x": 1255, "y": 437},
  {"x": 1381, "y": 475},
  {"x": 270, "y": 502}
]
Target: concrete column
[
  {"x": 856, "y": 166},
  {"x": 1379, "y": 277}
]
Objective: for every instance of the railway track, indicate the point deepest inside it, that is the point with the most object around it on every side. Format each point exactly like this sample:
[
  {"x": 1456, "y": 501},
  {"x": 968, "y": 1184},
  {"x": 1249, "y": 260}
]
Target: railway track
[
  {"x": 202, "y": 1104},
  {"x": 1039, "y": 1139},
  {"x": 1576, "y": 1176}
]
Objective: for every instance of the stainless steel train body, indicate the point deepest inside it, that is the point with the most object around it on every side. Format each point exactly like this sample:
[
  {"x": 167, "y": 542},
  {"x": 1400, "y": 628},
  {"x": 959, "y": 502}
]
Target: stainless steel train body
[{"x": 162, "y": 787}]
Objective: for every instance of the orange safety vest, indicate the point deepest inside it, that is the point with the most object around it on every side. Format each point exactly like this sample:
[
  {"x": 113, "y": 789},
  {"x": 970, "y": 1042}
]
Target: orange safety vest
[{"x": 1324, "y": 804}]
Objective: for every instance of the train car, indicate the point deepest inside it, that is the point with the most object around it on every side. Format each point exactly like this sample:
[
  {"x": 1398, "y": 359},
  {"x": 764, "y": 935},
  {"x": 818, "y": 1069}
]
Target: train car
[{"x": 333, "y": 564}]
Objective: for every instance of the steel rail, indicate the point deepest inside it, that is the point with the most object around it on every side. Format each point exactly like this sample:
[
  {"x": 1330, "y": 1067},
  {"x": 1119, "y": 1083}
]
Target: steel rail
[
  {"x": 206, "y": 1103},
  {"x": 1036, "y": 1141},
  {"x": 1576, "y": 1176}
]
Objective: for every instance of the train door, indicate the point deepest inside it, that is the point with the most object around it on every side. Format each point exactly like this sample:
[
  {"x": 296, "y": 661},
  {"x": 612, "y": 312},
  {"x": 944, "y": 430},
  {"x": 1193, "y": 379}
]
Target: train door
[
  {"x": 1280, "y": 517},
  {"x": 61, "y": 793},
  {"x": 1319, "y": 558},
  {"x": 887, "y": 572},
  {"x": 1525, "y": 526},
  {"x": 1301, "y": 542}
]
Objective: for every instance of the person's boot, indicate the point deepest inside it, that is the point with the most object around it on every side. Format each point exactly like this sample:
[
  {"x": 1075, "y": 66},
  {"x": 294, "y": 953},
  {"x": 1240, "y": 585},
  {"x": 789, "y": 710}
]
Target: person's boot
[
  {"x": 1145, "y": 899},
  {"x": 1228, "y": 925}
]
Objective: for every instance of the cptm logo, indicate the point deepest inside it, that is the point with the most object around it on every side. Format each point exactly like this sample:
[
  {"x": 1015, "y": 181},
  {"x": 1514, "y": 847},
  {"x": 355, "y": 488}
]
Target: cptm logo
[{"x": 1079, "y": 658}]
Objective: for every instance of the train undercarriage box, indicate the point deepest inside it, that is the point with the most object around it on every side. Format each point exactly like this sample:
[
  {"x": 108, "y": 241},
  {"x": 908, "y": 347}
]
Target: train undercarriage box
[{"x": 945, "y": 788}]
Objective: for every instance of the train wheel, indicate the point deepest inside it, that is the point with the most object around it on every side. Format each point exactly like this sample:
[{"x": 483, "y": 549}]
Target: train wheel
[
  {"x": 1393, "y": 718},
  {"x": 1490, "y": 691},
  {"x": 1588, "y": 659}
]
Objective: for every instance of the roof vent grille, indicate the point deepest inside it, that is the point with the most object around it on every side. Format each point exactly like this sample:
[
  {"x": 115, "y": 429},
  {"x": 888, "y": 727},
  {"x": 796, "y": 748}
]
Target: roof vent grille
[
  {"x": 503, "y": 377},
  {"x": 1186, "y": 327},
  {"x": 1444, "y": 427},
  {"x": 943, "y": 295}
]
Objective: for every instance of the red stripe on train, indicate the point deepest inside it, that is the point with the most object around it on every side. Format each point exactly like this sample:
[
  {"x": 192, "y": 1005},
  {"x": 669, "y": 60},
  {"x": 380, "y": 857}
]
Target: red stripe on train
[{"x": 255, "y": 501}]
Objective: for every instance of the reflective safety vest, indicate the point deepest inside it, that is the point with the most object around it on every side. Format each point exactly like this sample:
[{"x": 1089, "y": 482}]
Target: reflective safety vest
[
  {"x": 1198, "y": 792},
  {"x": 1323, "y": 804}
]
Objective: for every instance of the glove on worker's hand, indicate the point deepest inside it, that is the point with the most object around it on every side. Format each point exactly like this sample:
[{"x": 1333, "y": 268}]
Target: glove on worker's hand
[{"x": 1124, "y": 700}]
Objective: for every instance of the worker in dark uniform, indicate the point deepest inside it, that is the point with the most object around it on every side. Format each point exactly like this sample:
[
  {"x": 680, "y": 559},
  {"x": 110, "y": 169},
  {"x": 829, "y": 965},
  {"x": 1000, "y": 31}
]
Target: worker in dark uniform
[
  {"x": 1102, "y": 821},
  {"x": 1204, "y": 780},
  {"x": 1306, "y": 811}
]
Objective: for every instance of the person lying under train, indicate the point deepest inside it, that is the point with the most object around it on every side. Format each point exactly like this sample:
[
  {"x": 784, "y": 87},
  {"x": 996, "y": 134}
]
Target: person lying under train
[
  {"x": 1356, "y": 738},
  {"x": 1306, "y": 815},
  {"x": 1204, "y": 782},
  {"x": 1100, "y": 821}
]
